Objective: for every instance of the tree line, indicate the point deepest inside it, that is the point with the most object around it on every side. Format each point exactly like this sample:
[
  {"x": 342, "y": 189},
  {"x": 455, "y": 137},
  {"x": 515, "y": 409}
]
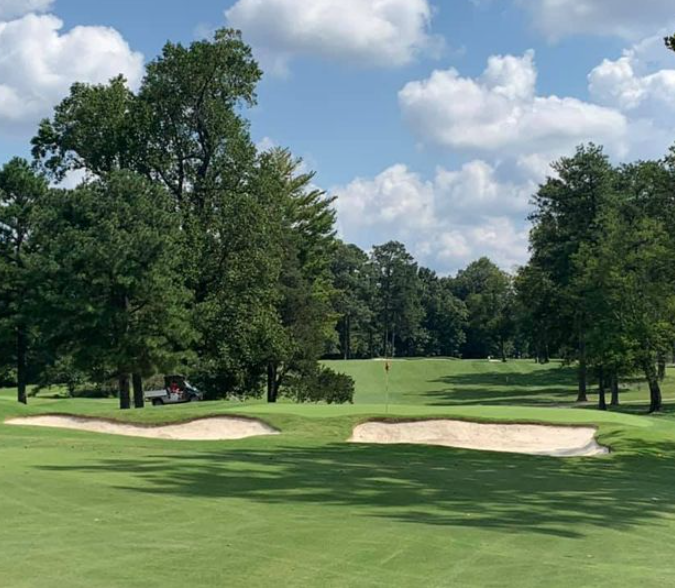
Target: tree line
[
  {"x": 600, "y": 286},
  {"x": 389, "y": 306},
  {"x": 184, "y": 248},
  {"x": 598, "y": 291}
]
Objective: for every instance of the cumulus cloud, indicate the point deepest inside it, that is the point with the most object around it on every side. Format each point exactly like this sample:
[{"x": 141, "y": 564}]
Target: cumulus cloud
[
  {"x": 383, "y": 33},
  {"x": 624, "y": 18},
  {"x": 640, "y": 84},
  {"x": 38, "y": 64},
  {"x": 396, "y": 196},
  {"x": 446, "y": 222},
  {"x": 641, "y": 81},
  {"x": 10, "y": 9},
  {"x": 500, "y": 112},
  {"x": 476, "y": 188}
]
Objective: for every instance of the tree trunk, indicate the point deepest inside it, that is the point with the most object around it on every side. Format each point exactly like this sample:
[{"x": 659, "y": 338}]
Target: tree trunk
[
  {"x": 602, "y": 401},
  {"x": 21, "y": 364},
  {"x": 271, "y": 382},
  {"x": 349, "y": 337},
  {"x": 502, "y": 349},
  {"x": 346, "y": 337},
  {"x": 655, "y": 399},
  {"x": 121, "y": 302},
  {"x": 583, "y": 375},
  {"x": 72, "y": 387},
  {"x": 614, "y": 383},
  {"x": 661, "y": 362},
  {"x": 124, "y": 391},
  {"x": 139, "y": 400},
  {"x": 393, "y": 342}
]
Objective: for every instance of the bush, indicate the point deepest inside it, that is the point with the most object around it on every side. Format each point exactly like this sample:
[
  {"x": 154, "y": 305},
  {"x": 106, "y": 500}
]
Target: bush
[
  {"x": 321, "y": 384},
  {"x": 106, "y": 390}
]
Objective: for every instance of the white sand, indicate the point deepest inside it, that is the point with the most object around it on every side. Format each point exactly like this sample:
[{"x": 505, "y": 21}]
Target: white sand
[
  {"x": 206, "y": 429},
  {"x": 511, "y": 438}
]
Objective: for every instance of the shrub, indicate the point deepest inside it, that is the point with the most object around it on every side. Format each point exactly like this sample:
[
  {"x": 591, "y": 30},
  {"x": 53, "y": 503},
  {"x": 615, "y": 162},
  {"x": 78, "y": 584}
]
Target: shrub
[{"x": 321, "y": 384}]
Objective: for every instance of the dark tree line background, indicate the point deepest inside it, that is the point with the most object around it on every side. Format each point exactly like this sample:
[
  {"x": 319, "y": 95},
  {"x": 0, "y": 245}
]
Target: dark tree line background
[{"x": 186, "y": 249}]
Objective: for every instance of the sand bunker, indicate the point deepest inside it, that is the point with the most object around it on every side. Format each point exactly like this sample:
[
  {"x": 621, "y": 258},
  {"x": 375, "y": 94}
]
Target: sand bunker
[
  {"x": 206, "y": 429},
  {"x": 511, "y": 438}
]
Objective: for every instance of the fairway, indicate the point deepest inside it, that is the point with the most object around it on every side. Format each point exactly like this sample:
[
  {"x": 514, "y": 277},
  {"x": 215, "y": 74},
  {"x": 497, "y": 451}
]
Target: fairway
[
  {"x": 304, "y": 508},
  {"x": 442, "y": 381}
]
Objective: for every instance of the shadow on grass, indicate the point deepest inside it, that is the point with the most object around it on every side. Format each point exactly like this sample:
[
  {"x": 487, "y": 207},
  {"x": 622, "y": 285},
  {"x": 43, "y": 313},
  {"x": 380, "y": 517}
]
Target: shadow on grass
[
  {"x": 642, "y": 409},
  {"x": 421, "y": 485},
  {"x": 543, "y": 387}
]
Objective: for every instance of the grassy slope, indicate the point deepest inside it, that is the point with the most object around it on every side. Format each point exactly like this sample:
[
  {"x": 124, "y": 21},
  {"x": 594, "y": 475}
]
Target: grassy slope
[
  {"x": 305, "y": 509},
  {"x": 447, "y": 381}
]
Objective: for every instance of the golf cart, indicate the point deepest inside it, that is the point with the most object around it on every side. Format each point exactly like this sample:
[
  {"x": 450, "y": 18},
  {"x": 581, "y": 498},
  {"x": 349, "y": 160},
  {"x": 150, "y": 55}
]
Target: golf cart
[{"x": 176, "y": 390}]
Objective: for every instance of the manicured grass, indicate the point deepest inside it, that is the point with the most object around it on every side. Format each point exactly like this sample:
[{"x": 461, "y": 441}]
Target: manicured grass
[
  {"x": 306, "y": 509},
  {"x": 451, "y": 381}
]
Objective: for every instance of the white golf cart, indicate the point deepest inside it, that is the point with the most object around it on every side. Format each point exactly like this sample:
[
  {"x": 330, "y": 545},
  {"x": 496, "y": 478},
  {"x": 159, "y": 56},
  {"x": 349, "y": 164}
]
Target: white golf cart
[{"x": 176, "y": 391}]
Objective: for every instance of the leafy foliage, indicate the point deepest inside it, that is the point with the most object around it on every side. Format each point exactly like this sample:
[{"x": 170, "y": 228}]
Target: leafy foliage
[
  {"x": 488, "y": 294},
  {"x": 110, "y": 286},
  {"x": 322, "y": 384},
  {"x": 21, "y": 193}
]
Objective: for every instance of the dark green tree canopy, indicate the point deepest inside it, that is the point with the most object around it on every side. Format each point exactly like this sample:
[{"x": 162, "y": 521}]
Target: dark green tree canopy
[
  {"x": 21, "y": 193},
  {"x": 113, "y": 297}
]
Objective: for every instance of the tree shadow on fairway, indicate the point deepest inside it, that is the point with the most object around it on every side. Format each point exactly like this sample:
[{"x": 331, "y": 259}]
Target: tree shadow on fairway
[
  {"x": 421, "y": 485},
  {"x": 543, "y": 387}
]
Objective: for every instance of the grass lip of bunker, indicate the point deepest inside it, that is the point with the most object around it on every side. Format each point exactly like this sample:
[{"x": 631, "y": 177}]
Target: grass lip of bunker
[
  {"x": 213, "y": 428},
  {"x": 525, "y": 438}
]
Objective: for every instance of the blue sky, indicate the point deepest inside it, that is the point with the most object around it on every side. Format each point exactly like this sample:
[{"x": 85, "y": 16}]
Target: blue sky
[{"x": 432, "y": 121}]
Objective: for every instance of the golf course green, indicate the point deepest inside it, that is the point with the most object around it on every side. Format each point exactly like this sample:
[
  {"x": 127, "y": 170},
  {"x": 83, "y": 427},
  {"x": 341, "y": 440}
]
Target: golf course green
[{"x": 306, "y": 509}]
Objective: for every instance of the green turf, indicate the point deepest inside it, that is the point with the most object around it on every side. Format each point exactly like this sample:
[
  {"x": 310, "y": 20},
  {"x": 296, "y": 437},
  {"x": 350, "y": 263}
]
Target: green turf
[
  {"x": 450, "y": 381},
  {"x": 305, "y": 509}
]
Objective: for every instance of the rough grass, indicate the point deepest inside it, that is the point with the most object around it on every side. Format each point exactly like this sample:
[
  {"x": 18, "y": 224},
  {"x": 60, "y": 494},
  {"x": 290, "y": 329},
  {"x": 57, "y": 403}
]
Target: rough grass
[{"x": 306, "y": 509}]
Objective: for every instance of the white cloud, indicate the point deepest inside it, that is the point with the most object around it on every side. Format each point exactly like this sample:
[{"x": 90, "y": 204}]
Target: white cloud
[
  {"x": 534, "y": 168},
  {"x": 38, "y": 64},
  {"x": 500, "y": 238},
  {"x": 640, "y": 84},
  {"x": 10, "y": 9},
  {"x": 476, "y": 189},
  {"x": 445, "y": 222},
  {"x": 625, "y": 18},
  {"x": 383, "y": 33},
  {"x": 639, "y": 81},
  {"x": 397, "y": 196},
  {"x": 500, "y": 113}
]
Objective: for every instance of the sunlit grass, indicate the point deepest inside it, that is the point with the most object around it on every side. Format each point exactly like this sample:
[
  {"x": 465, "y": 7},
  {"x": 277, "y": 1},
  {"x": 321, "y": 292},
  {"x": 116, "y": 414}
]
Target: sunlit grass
[{"x": 307, "y": 509}]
